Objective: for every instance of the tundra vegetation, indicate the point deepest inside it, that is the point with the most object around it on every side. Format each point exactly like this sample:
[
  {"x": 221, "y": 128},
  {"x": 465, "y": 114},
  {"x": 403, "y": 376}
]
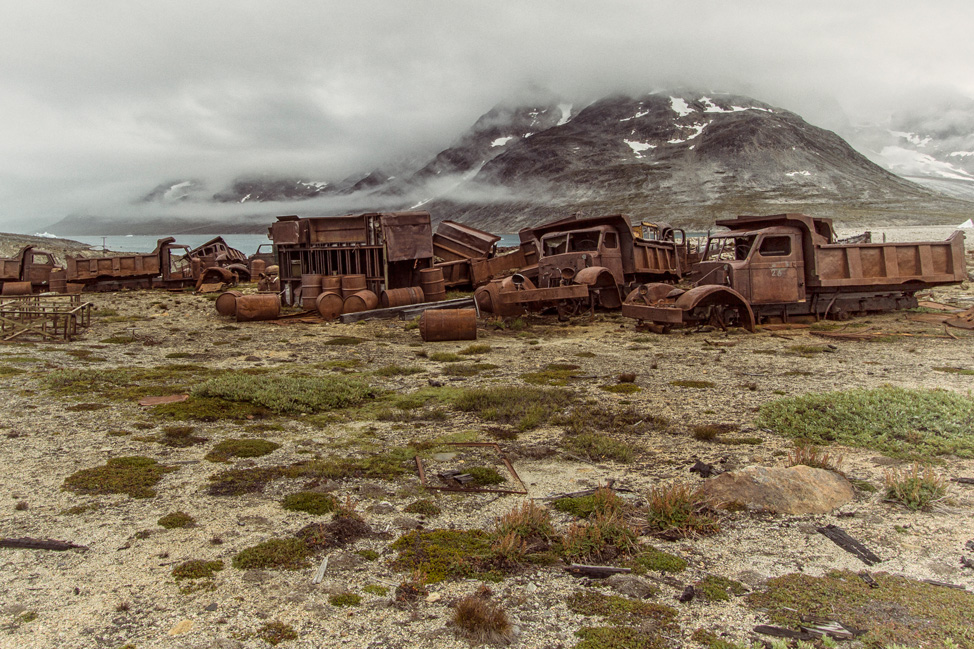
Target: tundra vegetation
[{"x": 307, "y": 457}]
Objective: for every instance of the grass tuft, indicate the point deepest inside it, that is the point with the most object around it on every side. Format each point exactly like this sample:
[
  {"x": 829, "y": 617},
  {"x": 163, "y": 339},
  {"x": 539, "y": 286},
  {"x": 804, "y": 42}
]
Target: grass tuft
[
  {"x": 915, "y": 487},
  {"x": 677, "y": 512},
  {"x": 175, "y": 520},
  {"x": 481, "y": 622}
]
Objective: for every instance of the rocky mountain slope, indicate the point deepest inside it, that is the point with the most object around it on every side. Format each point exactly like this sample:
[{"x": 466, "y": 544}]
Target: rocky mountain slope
[{"x": 684, "y": 156}]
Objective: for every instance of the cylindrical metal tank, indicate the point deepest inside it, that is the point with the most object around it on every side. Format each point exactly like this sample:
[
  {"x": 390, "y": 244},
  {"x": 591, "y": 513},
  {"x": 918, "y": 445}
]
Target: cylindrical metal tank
[
  {"x": 432, "y": 283},
  {"x": 310, "y": 290},
  {"x": 352, "y": 284},
  {"x": 58, "y": 281},
  {"x": 257, "y": 267},
  {"x": 448, "y": 324},
  {"x": 402, "y": 296},
  {"x": 331, "y": 283},
  {"x": 16, "y": 288},
  {"x": 361, "y": 301},
  {"x": 330, "y": 304},
  {"x": 226, "y": 303},
  {"x": 262, "y": 306}
]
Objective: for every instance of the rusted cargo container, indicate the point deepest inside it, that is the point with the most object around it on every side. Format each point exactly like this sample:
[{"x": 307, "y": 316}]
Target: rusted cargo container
[
  {"x": 161, "y": 268},
  {"x": 455, "y": 241},
  {"x": 389, "y": 248}
]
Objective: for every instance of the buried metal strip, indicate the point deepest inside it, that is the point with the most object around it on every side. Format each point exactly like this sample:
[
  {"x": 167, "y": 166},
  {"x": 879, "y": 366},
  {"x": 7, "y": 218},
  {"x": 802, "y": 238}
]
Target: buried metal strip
[{"x": 507, "y": 463}]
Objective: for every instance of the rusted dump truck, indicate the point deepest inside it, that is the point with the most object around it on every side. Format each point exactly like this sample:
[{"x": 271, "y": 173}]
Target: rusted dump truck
[
  {"x": 582, "y": 263},
  {"x": 388, "y": 248},
  {"x": 776, "y": 267},
  {"x": 162, "y": 268},
  {"x": 30, "y": 267}
]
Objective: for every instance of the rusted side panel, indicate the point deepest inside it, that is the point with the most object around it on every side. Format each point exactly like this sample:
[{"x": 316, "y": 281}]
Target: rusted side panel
[
  {"x": 538, "y": 295},
  {"x": 890, "y": 264},
  {"x": 123, "y": 266},
  {"x": 339, "y": 230},
  {"x": 657, "y": 258},
  {"x": 407, "y": 235},
  {"x": 454, "y": 241},
  {"x": 286, "y": 230}
]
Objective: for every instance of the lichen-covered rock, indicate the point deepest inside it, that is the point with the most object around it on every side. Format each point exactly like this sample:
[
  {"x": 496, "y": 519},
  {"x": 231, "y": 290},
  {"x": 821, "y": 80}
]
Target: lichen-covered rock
[{"x": 793, "y": 490}]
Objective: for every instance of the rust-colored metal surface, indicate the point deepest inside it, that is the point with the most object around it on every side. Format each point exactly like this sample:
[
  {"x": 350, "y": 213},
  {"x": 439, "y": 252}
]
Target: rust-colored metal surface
[
  {"x": 421, "y": 470},
  {"x": 454, "y": 241},
  {"x": 58, "y": 281},
  {"x": 257, "y": 266},
  {"x": 716, "y": 306},
  {"x": 448, "y": 324},
  {"x": 389, "y": 249},
  {"x": 310, "y": 290},
  {"x": 352, "y": 284},
  {"x": 433, "y": 285},
  {"x": 361, "y": 301},
  {"x": 50, "y": 318},
  {"x": 16, "y": 288},
  {"x": 330, "y": 304},
  {"x": 262, "y": 306},
  {"x": 30, "y": 265},
  {"x": 226, "y": 303},
  {"x": 331, "y": 283},
  {"x": 402, "y": 296},
  {"x": 963, "y": 320}
]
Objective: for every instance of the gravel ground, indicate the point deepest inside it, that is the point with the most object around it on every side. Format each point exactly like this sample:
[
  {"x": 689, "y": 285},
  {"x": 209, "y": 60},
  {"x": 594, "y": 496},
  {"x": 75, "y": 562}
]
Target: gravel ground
[{"x": 120, "y": 591}]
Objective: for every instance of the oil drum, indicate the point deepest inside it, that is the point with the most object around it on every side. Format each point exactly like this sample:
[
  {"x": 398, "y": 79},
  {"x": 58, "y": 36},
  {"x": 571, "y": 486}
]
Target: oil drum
[
  {"x": 329, "y": 304},
  {"x": 16, "y": 288},
  {"x": 402, "y": 296},
  {"x": 226, "y": 304},
  {"x": 352, "y": 284},
  {"x": 361, "y": 301},
  {"x": 310, "y": 290},
  {"x": 257, "y": 267},
  {"x": 58, "y": 281},
  {"x": 433, "y": 285},
  {"x": 262, "y": 306},
  {"x": 448, "y": 324}
]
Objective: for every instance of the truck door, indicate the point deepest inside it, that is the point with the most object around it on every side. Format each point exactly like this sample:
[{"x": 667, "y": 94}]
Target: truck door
[
  {"x": 37, "y": 267},
  {"x": 777, "y": 270}
]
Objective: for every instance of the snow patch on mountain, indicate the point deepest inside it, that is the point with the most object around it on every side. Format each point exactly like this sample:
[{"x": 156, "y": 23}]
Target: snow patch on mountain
[
  {"x": 639, "y": 147},
  {"x": 698, "y": 128},
  {"x": 566, "y": 114},
  {"x": 914, "y": 163},
  {"x": 501, "y": 141},
  {"x": 680, "y": 106}
]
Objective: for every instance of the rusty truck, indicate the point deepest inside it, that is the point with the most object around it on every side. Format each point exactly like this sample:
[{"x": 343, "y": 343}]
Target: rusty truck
[
  {"x": 30, "y": 265},
  {"x": 772, "y": 268},
  {"x": 164, "y": 267},
  {"x": 586, "y": 262}
]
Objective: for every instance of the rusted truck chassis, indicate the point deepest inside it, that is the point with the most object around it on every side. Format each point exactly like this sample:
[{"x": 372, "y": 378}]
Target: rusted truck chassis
[
  {"x": 582, "y": 263},
  {"x": 772, "y": 268},
  {"x": 29, "y": 265},
  {"x": 162, "y": 268}
]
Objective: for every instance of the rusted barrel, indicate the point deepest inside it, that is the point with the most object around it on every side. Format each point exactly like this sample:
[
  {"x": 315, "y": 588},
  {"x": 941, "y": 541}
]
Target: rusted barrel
[
  {"x": 330, "y": 304},
  {"x": 58, "y": 281},
  {"x": 257, "y": 267},
  {"x": 361, "y": 301},
  {"x": 402, "y": 296},
  {"x": 448, "y": 324},
  {"x": 331, "y": 283},
  {"x": 432, "y": 283},
  {"x": 262, "y": 306},
  {"x": 16, "y": 288},
  {"x": 352, "y": 284},
  {"x": 310, "y": 290},
  {"x": 226, "y": 304}
]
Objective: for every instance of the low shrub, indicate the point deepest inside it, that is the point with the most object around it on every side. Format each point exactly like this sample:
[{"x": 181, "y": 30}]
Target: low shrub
[
  {"x": 915, "y": 487},
  {"x": 132, "y": 475},
  {"x": 677, "y": 512},
  {"x": 175, "y": 520},
  {"x": 481, "y": 622}
]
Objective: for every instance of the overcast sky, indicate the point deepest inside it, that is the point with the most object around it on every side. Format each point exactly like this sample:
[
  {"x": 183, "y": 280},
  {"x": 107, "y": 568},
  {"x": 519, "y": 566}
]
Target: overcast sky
[{"x": 101, "y": 101}]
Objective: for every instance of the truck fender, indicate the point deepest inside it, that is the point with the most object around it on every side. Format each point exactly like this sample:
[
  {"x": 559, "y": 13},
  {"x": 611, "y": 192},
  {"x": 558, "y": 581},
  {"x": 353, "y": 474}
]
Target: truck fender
[
  {"x": 241, "y": 271},
  {"x": 652, "y": 293},
  {"x": 600, "y": 281},
  {"x": 722, "y": 296}
]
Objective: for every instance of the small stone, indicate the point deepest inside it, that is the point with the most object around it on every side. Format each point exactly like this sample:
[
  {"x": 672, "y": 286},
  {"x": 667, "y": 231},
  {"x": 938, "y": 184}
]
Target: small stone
[
  {"x": 384, "y": 507},
  {"x": 434, "y": 597},
  {"x": 631, "y": 586},
  {"x": 530, "y": 587},
  {"x": 211, "y": 607},
  {"x": 444, "y": 457},
  {"x": 406, "y": 523},
  {"x": 182, "y": 627}
]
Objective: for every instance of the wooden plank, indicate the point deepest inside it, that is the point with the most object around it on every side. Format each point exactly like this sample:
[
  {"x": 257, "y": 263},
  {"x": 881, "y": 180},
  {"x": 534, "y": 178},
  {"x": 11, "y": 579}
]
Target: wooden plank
[
  {"x": 394, "y": 311},
  {"x": 39, "y": 544},
  {"x": 596, "y": 572},
  {"x": 838, "y": 536}
]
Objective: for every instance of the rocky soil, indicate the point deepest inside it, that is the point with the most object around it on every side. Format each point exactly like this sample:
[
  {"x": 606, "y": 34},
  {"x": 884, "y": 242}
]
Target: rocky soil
[{"x": 120, "y": 591}]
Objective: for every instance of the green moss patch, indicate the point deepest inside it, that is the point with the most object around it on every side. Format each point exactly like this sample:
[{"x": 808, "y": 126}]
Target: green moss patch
[
  {"x": 398, "y": 370},
  {"x": 653, "y": 560},
  {"x": 176, "y": 520},
  {"x": 197, "y": 569},
  {"x": 900, "y": 611},
  {"x": 443, "y": 554},
  {"x": 553, "y": 374},
  {"x": 276, "y": 632},
  {"x": 621, "y": 388},
  {"x": 133, "y": 475},
  {"x": 280, "y": 554},
  {"x": 599, "y": 446},
  {"x": 699, "y": 385},
  {"x": 345, "y": 599},
  {"x": 719, "y": 589},
  {"x": 312, "y": 502},
  {"x": 241, "y": 447},
  {"x": 209, "y": 409},
  {"x": 632, "y": 624},
  {"x": 344, "y": 341},
  {"x": 894, "y": 421},
  {"x": 288, "y": 394},
  {"x": 522, "y": 407},
  {"x": 425, "y": 507},
  {"x": 484, "y": 476}
]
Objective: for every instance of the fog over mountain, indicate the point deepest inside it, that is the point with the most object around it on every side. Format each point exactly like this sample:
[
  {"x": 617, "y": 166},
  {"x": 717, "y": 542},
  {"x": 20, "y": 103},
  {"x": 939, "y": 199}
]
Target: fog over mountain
[{"x": 105, "y": 102}]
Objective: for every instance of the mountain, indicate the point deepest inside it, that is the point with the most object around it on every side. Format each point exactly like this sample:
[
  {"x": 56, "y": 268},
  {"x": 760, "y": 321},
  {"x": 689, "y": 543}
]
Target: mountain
[
  {"x": 930, "y": 142},
  {"x": 684, "y": 157}
]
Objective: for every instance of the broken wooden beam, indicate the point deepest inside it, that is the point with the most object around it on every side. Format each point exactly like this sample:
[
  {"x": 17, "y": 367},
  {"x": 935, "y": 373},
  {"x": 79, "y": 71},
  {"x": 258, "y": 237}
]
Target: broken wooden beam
[
  {"x": 779, "y": 632},
  {"x": 963, "y": 480},
  {"x": 839, "y": 536},
  {"x": 40, "y": 544},
  {"x": 596, "y": 572}
]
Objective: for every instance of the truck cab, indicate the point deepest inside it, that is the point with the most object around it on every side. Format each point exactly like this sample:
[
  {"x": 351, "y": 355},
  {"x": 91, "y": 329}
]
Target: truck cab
[
  {"x": 766, "y": 266},
  {"x": 565, "y": 254}
]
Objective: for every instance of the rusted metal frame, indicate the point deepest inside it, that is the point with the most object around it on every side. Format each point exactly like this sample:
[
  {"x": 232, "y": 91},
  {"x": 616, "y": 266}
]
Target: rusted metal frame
[
  {"x": 552, "y": 294},
  {"x": 49, "y": 323},
  {"x": 507, "y": 463}
]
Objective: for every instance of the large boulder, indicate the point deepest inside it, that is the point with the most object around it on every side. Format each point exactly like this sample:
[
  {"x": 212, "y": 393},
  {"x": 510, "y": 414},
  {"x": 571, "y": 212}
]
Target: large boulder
[{"x": 793, "y": 490}]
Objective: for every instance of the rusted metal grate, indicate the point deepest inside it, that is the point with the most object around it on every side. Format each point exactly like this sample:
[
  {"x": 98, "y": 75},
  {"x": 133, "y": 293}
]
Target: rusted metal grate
[{"x": 45, "y": 317}]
